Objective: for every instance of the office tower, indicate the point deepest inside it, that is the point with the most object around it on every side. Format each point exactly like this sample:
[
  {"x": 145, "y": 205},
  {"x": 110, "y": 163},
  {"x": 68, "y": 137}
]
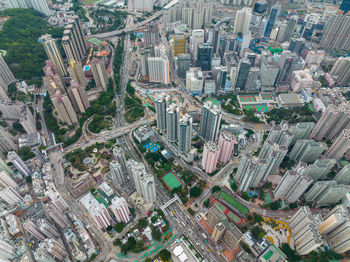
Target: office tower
[
  {"x": 10, "y": 196},
  {"x": 242, "y": 20},
  {"x": 161, "y": 102},
  {"x": 48, "y": 229},
  {"x": 262, "y": 27},
  {"x": 97, "y": 211},
  {"x": 210, "y": 156},
  {"x": 271, "y": 21},
  {"x": 332, "y": 122},
  {"x": 260, "y": 7},
  {"x": 76, "y": 73},
  {"x": 340, "y": 145},
  {"x": 205, "y": 56},
  {"x": 194, "y": 81},
  {"x": 341, "y": 71},
  {"x": 183, "y": 63},
  {"x": 210, "y": 121},
  {"x": 6, "y": 143},
  {"x": 54, "y": 54},
  {"x": 297, "y": 45},
  {"x": 5, "y": 167},
  {"x": 159, "y": 70},
  {"x": 301, "y": 130},
  {"x": 336, "y": 33},
  {"x": 268, "y": 73},
  {"x": 151, "y": 33},
  {"x": 215, "y": 40},
  {"x": 172, "y": 122},
  {"x": 226, "y": 144},
  {"x": 185, "y": 133},
  {"x": 98, "y": 69},
  {"x": 119, "y": 155},
  {"x": 332, "y": 195},
  {"x": 144, "y": 181},
  {"x": 196, "y": 39},
  {"x": 292, "y": 21},
  {"x": 343, "y": 177},
  {"x": 33, "y": 229},
  {"x": 18, "y": 163},
  {"x": 117, "y": 173},
  {"x": 286, "y": 68},
  {"x": 179, "y": 44},
  {"x": 243, "y": 72},
  {"x": 307, "y": 150},
  {"x": 292, "y": 186},
  {"x": 6, "y": 75},
  {"x": 7, "y": 251},
  {"x": 7, "y": 181},
  {"x": 74, "y": 42},
  {"x": 345, "y": 6},
  {"x": 320, "y": 168},
  {"x": 252, "y": 79},
  {"x": 64, "y": 108},
  {"x": 304, "y": 227},
  {"x": 120, "y": 209},
  {"x": 274, "y": 33},
  {"x": 55, "y": 249},
  {"x": 247, "y": 37},
  {"x": 317, "y": 189}
]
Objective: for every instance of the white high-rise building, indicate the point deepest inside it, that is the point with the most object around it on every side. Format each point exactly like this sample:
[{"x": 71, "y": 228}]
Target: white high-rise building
[
  {"x": 47, "y": 228},
  {"x": 55, "y": 249},
  {"x": 6, "y": 76},
  {"x": 196, "y": 39},
  {"x": 6, "y": 143},
  {"x": 242, "y": 20},
  {"x": 161, "y": 102},
  {"x": 141, "y": 5},
  {"x": 18, "y": 163},
  {"x": 39, "y": 5},
  {"x": 33, "y": 229},
  {"x": 159, "y": 70},
  {"x": 7, "y": 251},
  {"x": 7, "y": 181},
  {"x": 172, "y": 122},
  {"x": 117, "y": 173},
  {"x": 185, "y": 133},
  {"x": 210, "y": 121},
  {"x": 119, "y": 155},
  {"x": 10, "y": 195},
  {"x": 120, "y": 209},
  {"x": 144, "y": 181},
  {"x": 343, "y": 177}
]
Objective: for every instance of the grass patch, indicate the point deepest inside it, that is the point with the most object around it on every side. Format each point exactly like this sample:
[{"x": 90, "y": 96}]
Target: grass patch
[{"x": 234, "y": 203}]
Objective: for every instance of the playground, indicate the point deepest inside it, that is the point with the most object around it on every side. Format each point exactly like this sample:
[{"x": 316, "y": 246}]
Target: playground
[
  {"x": 234, "y": 203},
  {"x": 228, "y": 212},
  {"x": 151, "y": 147},
  {"x": 172, "y": 181},
  {"x": 259, "y": 102},
  {"x": 267, "y": 198}
]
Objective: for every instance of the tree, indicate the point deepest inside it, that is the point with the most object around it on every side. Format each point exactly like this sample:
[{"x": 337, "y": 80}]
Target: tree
[
  {"x": 131, "y": 243},
  {"x": 258, "y": 232},
  {"x": 148, "y": 259},
  {"x": 290, "y": 253},
  {"x": 215, "y": 189},
  {"x": 143, "y": 223},
  {"x": 275, "y": 205},
  {"x": 109, "y": 228},
  {"x": 25, "y": 153},
  {"x": 165, "y": 255},
  {"x": 18, "y": 127},
  {"x": 156, "y": 234},
  {"x": 206, "y": 203},
  {"x": 258, "y": 218},
  {"x": 154, "y": 219},
  {"x": 245, "y": 196},
  {"x": 117, "y": 242},
  {"x": 195, "y": 191},
  {"x": 29, "y": 179},
  {"x": 119, "y": 227}
]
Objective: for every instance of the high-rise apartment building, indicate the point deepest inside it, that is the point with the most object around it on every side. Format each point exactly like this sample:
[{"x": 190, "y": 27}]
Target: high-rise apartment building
[
  {"x": 119, "y": 155},
  {"x": 7, "y": 251},
  {"x": 117, "y": 173},
  {"x": 307, "y": 150},
  {"x": 151, "y": 33},
  {"x": 74, "y": 41},
  {"x": 76, "y": 73},
  {"x": 33, "y": 229},
  {"x": 55, "y": 249},
  {"x": 10, "y": 196},
  {"x": 120, "y": 209},
  {"x": 78, "y": 97},
  {"x": 319, "y": 169},
  {"x": 343, "y": 177},
  {"x": 159, "y": 70},
  {"x": 161, "y": 102},
  {"x": 341, "y": 71},
  {"x": 336, "y": 33},
  {"x": 18, "y": 163},
  {"x": 179, "y": 44},
  {"x": 97, "y": 211},
  {"x": 317, "y": 189},
  {"x": 172, "y": 122},
  {"x": 64, "y": 108},
  {"x": 226, "y": 144},
  {"x": 39, "y": 5},
  {"x": 333, "y": 219},
  {"x": 54, "y": 54},
  {"x": 98, "y": 69},
  {"x": 185, "y": 133},
  {"x": 242, "y": 20},
  {"x": 6, "y": 75},
  {"x": 143, "y": 180},
  {"x": 7, "y": 181},
  {"x": 48, "y": 229},
  {"x": 292, "y": 186},
  {"x": 6, "y": 143},
  {"x": 273, "y": 153},
  {"x": 332, "y": 195},
  {"x": 304, "y": 227},
  {"x": 183, "y": 64},
  {"x": 141, "y": 5},
  {"x": 57, "y": 216},
  {"x": 205, "y": 56},
  {"x": 340, "y": 145},
  {"x": 5, "y": 167},
  {"x": 210, "y": 121},
  {"x": 210, "y": 156},
  {"x": 301, "y": 130}
]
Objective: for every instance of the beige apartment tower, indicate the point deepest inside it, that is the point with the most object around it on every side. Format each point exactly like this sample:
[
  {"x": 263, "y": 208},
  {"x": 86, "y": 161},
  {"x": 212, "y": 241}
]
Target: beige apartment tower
[
  {"x": 53, "y": 54},
  {"x": 64, "y": 108},
  {"x": 99, "y": 73}
]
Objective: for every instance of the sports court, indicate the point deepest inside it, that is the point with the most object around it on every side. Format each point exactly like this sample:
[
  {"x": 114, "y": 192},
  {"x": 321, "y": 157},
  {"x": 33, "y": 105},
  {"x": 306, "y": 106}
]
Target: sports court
[
  {"x": 228, "y": 212},
  {"x": 258, "y": 108},
  {"x": 234, "y": 203},
  {"x": 172, "y": 181},
  {"x": 247, "y": 98},
  {"x": 234, "y": 217},
  {"x": 151, "y": 147},
  {"x": 266, "y": 96},
  {"x": 267, "y": 198}
]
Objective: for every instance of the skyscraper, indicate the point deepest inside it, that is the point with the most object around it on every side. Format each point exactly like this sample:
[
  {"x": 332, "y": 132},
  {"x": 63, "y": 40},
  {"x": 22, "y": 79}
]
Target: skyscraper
[
  {"x": 39, "y": 5},
  {"x": 319, "y": 169},
  {"x": 210, "y": 121},
  {"x": 333, "y": 219},
  {"x": 119, "y": 155},
  {"x": 7, "y": 181},
  {"x": 307, "y": 150},
  {"x": 336, "y": 33},
  {"x": 55, "y": 249},
  {"x": 242, "y": 21},
  {"x": 268, "y": 73},
  {"x": 74, "y": 41},
  {"x": 301, "y": 130},
  {"x": 292, "y": 21},
  {"x": 183, "y": 63},
  {"x": 117, "y": 173},
  {"x": 172, "y": 122},
  {"x": 46, "y": 228},
  {"x": 216, "y": 40},
  {"x": 226, "y": 144},
  {"x": 343, "y": 177},
  {"x": 64, "y": 108},
  {"x": 78, "y": 97},
  {"x": 54, "y": 54},
  {"x": 151, "y": 33},
  {"x": 340, "y": 145},
  {"x": 292, "y": 186},
  {"x": 243, "y": 72},
  {"x": 194, "y": 81},
  {"x": 5, "y": 167},
  {"x": 76, "y": 73},
  {"x": 6, "y": 143},
  {"x": 179, "y": 44},
  {"x": 185, "y": 133},
  {"x": 159, "y": 70},
  {"x": 205, "y": 56},
  {"x": 332, "y": 195},
  {"x": 7, "y": 251},
  {"x": 6, "y": 75},
  {"x": 341, "y": 71},
  {"x": 98, "y": 69},
  {"x": 196, "y": 39},
  {"x": 18, "y": 163},
  {"x": 210, "y": 156},
  {"x": 33, "y": 229},
  {"x": 271, "y": 21},
  {"x": 144, "y": 181},
  {"x": 317, "y": 189},
  {"x": 120, "y": 209},
  {"x": 10, "y": 196},
  {"x": 161, "y": 102}
]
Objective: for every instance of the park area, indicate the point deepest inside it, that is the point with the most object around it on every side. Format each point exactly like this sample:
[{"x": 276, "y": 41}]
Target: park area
[
  {"x": 234, "y": 203},
  {"x": 151, "y": 147},
  {"x": 172, "y": 181},
  {"x": 228, "y": 212}
]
